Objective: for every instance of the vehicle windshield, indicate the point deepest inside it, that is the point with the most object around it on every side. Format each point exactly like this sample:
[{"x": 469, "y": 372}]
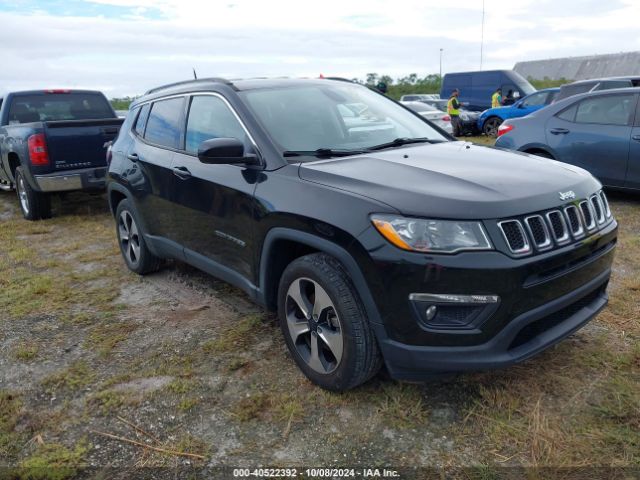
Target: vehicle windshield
[
  {"x": 48, "y": 107},
  {"x": 336, "y": 116}
]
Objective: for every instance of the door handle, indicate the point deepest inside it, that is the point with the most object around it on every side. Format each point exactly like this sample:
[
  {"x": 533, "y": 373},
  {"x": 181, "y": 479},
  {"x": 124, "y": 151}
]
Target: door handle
[
  {"x": 133, "y": 157},
  {"x": 181, "y": 172},
  {"x": 636, "y": 138},
  {"x": 559, "y": 131}
]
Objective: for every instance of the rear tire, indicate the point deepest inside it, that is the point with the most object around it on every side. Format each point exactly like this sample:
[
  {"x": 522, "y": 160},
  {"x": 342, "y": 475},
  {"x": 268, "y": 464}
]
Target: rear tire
[
  {"x": 324, "y": 324},
  {"x": 33, "y": 204},
  {"x": 133, "y": 247},
  {"x": 491, "y": 125}
]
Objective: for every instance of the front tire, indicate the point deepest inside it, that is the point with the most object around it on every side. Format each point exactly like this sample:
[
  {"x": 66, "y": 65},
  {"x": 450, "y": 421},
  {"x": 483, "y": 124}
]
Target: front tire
[
  {"x": 33, "y": 204},
  {"x": 133, "y": 247},
  {"x": 491, "y": 125},
  {"x": 324, "y": 324}
]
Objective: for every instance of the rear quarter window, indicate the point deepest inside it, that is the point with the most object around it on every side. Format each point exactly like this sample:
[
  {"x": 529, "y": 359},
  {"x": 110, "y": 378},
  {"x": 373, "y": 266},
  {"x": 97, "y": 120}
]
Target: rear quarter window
[
  {"x": 141, "y": 121},
  {"x": 164, "y": 126}
]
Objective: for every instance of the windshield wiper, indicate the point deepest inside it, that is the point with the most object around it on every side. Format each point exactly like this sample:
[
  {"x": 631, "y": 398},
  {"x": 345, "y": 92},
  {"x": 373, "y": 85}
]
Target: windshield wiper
[
  {"x": 322, "y": 152},
  {"x": 398, "y": 142}
]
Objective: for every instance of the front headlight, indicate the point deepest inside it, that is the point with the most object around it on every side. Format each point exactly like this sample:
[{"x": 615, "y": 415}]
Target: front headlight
[{"x": 434, "y": 236}]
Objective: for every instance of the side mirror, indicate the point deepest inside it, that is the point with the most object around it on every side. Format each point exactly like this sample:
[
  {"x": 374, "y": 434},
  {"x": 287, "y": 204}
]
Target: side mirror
[{"x": 221, "y": 151}]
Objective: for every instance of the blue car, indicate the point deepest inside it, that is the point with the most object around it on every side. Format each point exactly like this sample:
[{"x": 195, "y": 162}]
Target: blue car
[
  {"x": 598, "y": 131},
  {"x": 491, "y": 119}
]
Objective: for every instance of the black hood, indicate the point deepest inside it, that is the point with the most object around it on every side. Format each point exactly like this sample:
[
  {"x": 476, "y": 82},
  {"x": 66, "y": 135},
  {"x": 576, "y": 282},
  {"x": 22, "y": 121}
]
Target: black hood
[{"x": 454, "y": 180}]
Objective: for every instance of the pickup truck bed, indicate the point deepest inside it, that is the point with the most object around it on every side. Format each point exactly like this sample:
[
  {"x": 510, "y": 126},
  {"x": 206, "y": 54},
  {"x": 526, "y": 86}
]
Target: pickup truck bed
[{"x": 53, "y": 141}]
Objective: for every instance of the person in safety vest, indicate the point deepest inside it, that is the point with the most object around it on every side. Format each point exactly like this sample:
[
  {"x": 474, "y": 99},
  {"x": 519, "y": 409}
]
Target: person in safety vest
[
  {"x": 453, "y": 109},
  {"x": 496, "y": 98}
]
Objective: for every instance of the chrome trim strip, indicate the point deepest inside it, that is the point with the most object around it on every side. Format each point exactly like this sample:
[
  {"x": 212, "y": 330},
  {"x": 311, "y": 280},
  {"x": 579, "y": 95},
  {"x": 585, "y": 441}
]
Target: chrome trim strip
[
  {"x": 593, "y": 225},
  {"x": 547, "y": 243},
  {"x": 578, "y": 233},
  {"x": 565, "y": 236},
  {"x": 527, "y": 246},
  {"x": 596, "y": 198},
  {"x": 59, "y": 183},
  {"x": 605, "y": 202},
  {"x": 450, "y": 298}
]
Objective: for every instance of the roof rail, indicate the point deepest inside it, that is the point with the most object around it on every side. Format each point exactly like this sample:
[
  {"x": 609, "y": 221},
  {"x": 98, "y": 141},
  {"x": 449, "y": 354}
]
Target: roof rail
[
  {"x": 339, "y": 79},
  {"x": 187, "y": 82}
]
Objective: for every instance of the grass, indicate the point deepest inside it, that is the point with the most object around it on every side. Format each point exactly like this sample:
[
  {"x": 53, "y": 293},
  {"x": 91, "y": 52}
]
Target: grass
[
  {"x": 238, "y": 336},
  {"x": 53, "y": 462},
  {"x": 25, "y": 352},
  {"x": 575, "y": 405},
  {"x": 73, "y": 378}
]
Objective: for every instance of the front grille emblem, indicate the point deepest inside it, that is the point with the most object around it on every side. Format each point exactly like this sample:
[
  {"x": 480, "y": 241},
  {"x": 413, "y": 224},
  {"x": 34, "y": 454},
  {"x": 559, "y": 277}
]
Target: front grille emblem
[{"x": 569, "y": 195}]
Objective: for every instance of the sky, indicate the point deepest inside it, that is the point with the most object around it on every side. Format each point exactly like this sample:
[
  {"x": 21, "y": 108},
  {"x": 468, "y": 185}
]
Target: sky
[{"x": 125, "y": 47}]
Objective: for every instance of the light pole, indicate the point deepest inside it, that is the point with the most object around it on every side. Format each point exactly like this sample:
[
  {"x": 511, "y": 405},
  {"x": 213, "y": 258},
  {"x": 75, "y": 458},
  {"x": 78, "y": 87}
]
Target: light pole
[
  {"x": 441, "y": 66},
  {"x": 482, "y": 36}
]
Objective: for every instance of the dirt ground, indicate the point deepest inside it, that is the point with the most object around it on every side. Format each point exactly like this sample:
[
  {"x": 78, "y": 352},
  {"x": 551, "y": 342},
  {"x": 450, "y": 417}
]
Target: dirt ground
[{"x": 188, "y": 366}]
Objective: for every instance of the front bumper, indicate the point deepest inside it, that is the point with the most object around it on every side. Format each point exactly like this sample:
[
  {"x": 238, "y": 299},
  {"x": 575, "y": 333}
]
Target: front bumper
[
  {"x": 524, "y": 337},
  {"x": 542, "y": 299},
  {"x": 84, "y": 179}
]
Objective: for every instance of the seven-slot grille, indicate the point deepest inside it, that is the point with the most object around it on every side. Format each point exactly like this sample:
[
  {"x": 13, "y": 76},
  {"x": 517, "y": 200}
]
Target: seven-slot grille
[{"x": 556, "y": 227}]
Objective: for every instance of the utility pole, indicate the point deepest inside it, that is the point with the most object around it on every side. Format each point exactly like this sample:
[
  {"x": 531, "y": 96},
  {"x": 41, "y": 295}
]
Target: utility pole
[
  {"x": 441, "y": 66},
  {"x": 482, "y": 36}
]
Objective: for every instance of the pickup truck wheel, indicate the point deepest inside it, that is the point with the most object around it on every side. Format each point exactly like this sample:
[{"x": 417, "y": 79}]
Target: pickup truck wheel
[
  {"x": 491, "y": 125},
  {"x": 324, "y": 324},
  {"x": 34, "y": 205},
  {"x": 133, "y": 247}
]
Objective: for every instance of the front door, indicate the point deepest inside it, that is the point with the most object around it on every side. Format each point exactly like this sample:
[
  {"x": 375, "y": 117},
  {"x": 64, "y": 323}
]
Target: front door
[
  {"x": 594, "y": 134},
  {"x": 213, "y": 204}
]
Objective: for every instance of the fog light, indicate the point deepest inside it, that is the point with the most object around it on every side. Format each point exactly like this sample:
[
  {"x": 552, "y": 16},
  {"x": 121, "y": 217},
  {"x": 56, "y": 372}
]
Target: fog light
[{"x": 453, "y": 312}]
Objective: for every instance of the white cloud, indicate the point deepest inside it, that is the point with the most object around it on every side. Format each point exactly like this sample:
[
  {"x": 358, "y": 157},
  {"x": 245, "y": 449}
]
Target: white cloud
[{"x": 241, "y": 38}]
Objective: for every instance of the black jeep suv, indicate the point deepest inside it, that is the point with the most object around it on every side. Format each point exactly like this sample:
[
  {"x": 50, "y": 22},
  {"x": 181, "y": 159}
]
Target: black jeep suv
[{"x": 375, "y": 236}]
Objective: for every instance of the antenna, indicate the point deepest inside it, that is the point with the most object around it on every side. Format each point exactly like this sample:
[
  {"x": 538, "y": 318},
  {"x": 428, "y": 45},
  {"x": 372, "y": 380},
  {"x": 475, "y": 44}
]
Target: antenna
[{"x": 195, "y": 75}]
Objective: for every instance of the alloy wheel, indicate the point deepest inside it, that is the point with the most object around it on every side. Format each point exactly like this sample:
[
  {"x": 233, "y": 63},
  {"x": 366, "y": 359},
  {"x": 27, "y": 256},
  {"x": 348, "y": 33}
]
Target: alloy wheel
[
  {"x": 314, "y": 325},
  {"x": 129, "y": 237}
]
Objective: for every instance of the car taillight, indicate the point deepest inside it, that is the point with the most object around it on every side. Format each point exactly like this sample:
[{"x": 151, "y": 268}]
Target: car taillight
[
  {"x": 446, "y": 118},
  {"x": 502, "y": 129},
  {"x": 38, "y": 150}
]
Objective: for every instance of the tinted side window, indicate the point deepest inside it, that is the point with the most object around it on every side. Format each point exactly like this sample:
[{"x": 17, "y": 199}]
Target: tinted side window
[
  {"x": 609, "y": 110},
  {"x": 535, "y": 100},
  {"x": 141, "y": 122},
  {"x": 209, "y": 117},
  {"x": 611, "y": 84},
  {"x": 164, "y": 126},
  {"x": 569, "y": 90}
]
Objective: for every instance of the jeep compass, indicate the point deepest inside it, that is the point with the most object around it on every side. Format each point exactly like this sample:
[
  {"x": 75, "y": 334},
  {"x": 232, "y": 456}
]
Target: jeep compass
[{"x": 376, "y": 237}]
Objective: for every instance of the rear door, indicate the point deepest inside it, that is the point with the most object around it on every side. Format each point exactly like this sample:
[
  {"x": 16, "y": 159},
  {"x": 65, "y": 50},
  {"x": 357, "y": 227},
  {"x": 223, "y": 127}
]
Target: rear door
[
  {"x": 158, "y": 137},
  {"x": 594, "y": 133},
  {"x": 633, "y": 170},
  {"x": 213, "y": 212}
]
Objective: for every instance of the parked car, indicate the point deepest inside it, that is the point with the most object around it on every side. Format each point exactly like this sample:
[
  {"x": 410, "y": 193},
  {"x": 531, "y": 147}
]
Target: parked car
[
  {"x": 416, "y": 97},
  {"x": 468, "y": 119},
  {"x": 432, "y": 114},
  {"x": 401, "y": 246},
  {"x": 476, "y": 88},
  {"x": 490, "y": 120},
  {"x": 54, "y": 141},
  {"x": 598, "y": 131},
  {"x": 595, "y": 84}
]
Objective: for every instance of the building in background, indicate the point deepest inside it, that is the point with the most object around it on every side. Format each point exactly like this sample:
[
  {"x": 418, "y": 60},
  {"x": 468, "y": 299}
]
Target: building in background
[{"x": 581, "y": 68}]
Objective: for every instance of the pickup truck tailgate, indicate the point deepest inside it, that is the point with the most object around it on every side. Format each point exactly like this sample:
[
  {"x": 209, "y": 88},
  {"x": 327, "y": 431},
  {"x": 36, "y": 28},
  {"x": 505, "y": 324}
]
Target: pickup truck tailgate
[{"x": 76, "y": 144}]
